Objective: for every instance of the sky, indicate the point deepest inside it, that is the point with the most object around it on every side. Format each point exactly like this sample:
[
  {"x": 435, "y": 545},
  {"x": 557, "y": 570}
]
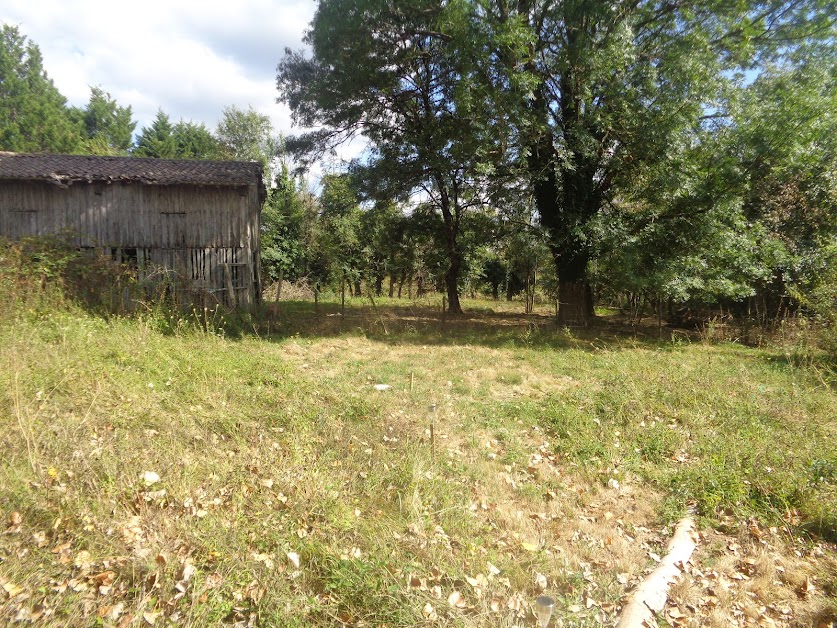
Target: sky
[{"x": 190, "y": 57}]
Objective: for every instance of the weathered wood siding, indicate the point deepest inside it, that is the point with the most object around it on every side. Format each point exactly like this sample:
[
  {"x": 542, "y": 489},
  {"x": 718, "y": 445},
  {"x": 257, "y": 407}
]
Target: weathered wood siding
[{"x": 208, "y": 236}]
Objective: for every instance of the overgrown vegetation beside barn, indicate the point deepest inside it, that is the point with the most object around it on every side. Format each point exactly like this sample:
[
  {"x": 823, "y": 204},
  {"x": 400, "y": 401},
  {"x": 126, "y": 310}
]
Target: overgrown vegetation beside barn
[{"x": 193, "y": 224}]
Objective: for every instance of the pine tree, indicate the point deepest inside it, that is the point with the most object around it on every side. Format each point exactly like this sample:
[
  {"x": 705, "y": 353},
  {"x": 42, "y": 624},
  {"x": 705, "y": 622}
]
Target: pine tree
[
  {"x": 158, "y": 140},
  {"x": 33, "y": 113}
]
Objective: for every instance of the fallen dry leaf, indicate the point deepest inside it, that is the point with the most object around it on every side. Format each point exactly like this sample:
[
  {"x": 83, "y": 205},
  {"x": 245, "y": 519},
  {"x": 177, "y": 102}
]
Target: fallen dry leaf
[
  {"x": 805, "y": 588},
  {"x": 82, "y": 560},
  {"x": 11, "y": 589},
  {"x": 187, "y": 572},
  {"x": 496, "y": 602},
  {"x": 63, "y": 547},
  {"x": 267, "y": 560},
  {"x": 456, "y": 600},
  {"x": 104, "y": 578}
]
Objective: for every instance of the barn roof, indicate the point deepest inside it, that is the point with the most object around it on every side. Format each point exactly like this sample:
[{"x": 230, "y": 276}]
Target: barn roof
[{"x": 65, "y": 170}]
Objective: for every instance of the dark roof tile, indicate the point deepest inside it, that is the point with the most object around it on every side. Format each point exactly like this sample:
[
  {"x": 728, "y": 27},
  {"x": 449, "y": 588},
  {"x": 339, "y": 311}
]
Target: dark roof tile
[{"x": 68, "y": 169}]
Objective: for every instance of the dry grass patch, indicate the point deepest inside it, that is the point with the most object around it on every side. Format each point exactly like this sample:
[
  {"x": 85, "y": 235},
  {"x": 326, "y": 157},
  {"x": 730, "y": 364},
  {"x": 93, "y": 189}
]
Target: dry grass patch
[{"x": 756, "y": 578}]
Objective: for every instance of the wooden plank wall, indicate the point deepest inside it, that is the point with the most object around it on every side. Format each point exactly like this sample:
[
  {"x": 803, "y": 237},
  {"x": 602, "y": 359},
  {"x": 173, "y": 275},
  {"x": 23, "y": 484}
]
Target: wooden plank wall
[{"x": 192, "y": 231}]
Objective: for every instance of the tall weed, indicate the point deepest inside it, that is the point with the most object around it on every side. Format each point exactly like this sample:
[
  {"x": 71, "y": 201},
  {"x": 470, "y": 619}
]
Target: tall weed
[{"x": 39, "y": 276}]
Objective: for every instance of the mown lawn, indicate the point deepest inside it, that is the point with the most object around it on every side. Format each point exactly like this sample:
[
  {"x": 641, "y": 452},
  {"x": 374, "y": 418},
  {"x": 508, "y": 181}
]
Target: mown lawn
[{"x": 154, "y": 473}]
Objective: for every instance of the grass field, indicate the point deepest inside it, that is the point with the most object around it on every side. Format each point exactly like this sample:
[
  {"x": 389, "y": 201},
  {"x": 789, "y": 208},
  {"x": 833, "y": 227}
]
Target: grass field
[{"x": 176, "y": 472}]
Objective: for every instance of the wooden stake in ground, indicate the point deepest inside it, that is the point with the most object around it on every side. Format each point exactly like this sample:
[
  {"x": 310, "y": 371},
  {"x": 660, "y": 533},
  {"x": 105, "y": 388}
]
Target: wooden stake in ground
[
  {"x": 650, "y": 596},
  {"x": 432, "y": 410}
]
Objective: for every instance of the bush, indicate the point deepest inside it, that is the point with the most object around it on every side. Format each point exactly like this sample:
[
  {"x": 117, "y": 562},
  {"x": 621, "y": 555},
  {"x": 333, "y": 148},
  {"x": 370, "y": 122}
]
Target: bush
[
  {"x": 820, "y": 300},
  {"x": 41, "y": 275},
  {"x": 44, "y": 273}
]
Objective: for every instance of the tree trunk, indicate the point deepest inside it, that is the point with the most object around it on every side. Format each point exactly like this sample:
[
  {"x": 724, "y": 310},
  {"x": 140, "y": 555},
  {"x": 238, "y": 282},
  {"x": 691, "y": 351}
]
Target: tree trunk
[
  {"x": 565, "y": 206},
  {"x": 448, "y": 207},
  {"x": 575, "y": 305},
  {"x": 452, "y": 284},
  {"x": 379, "y": 284},
  {"x": 575, "y": 297},
  {"x": 279, "y": 284},
  {"x": 660, "y": 316},
  {"x": 392, "y": 285},
  {"x": 534, "y": 285}
]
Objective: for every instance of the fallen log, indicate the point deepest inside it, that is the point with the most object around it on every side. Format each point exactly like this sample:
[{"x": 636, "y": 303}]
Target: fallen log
[{"x": 650, "y": 596}]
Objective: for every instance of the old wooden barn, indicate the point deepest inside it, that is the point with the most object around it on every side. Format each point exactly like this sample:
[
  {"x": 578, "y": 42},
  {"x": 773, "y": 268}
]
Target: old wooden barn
[{"x": 196, "y": 222}]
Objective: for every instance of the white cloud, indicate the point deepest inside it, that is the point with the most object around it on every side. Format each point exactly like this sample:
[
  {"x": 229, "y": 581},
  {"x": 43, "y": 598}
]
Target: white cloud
[{"x": 190, "y": 57}]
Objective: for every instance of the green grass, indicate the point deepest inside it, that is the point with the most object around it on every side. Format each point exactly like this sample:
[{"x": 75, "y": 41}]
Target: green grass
[{"x": 270, "y": 439}]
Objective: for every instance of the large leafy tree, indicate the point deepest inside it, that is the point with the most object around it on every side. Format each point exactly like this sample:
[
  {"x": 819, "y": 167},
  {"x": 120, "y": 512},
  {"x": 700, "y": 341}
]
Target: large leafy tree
[
  {"x": 618, "y": 86},
  {"x": 379, "y": 230},
  {"x": 33, "y": 113},
  {"x": 783, "y": 132},
  {"x": 403, "y": 75},
  {"x": 340, "y": 235},
  {"x": 107, "y": 127},
  {"x": 248, "y": 136},
  {"x": 747, "y": 208},
  {"x": 283, "y": 229}
]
